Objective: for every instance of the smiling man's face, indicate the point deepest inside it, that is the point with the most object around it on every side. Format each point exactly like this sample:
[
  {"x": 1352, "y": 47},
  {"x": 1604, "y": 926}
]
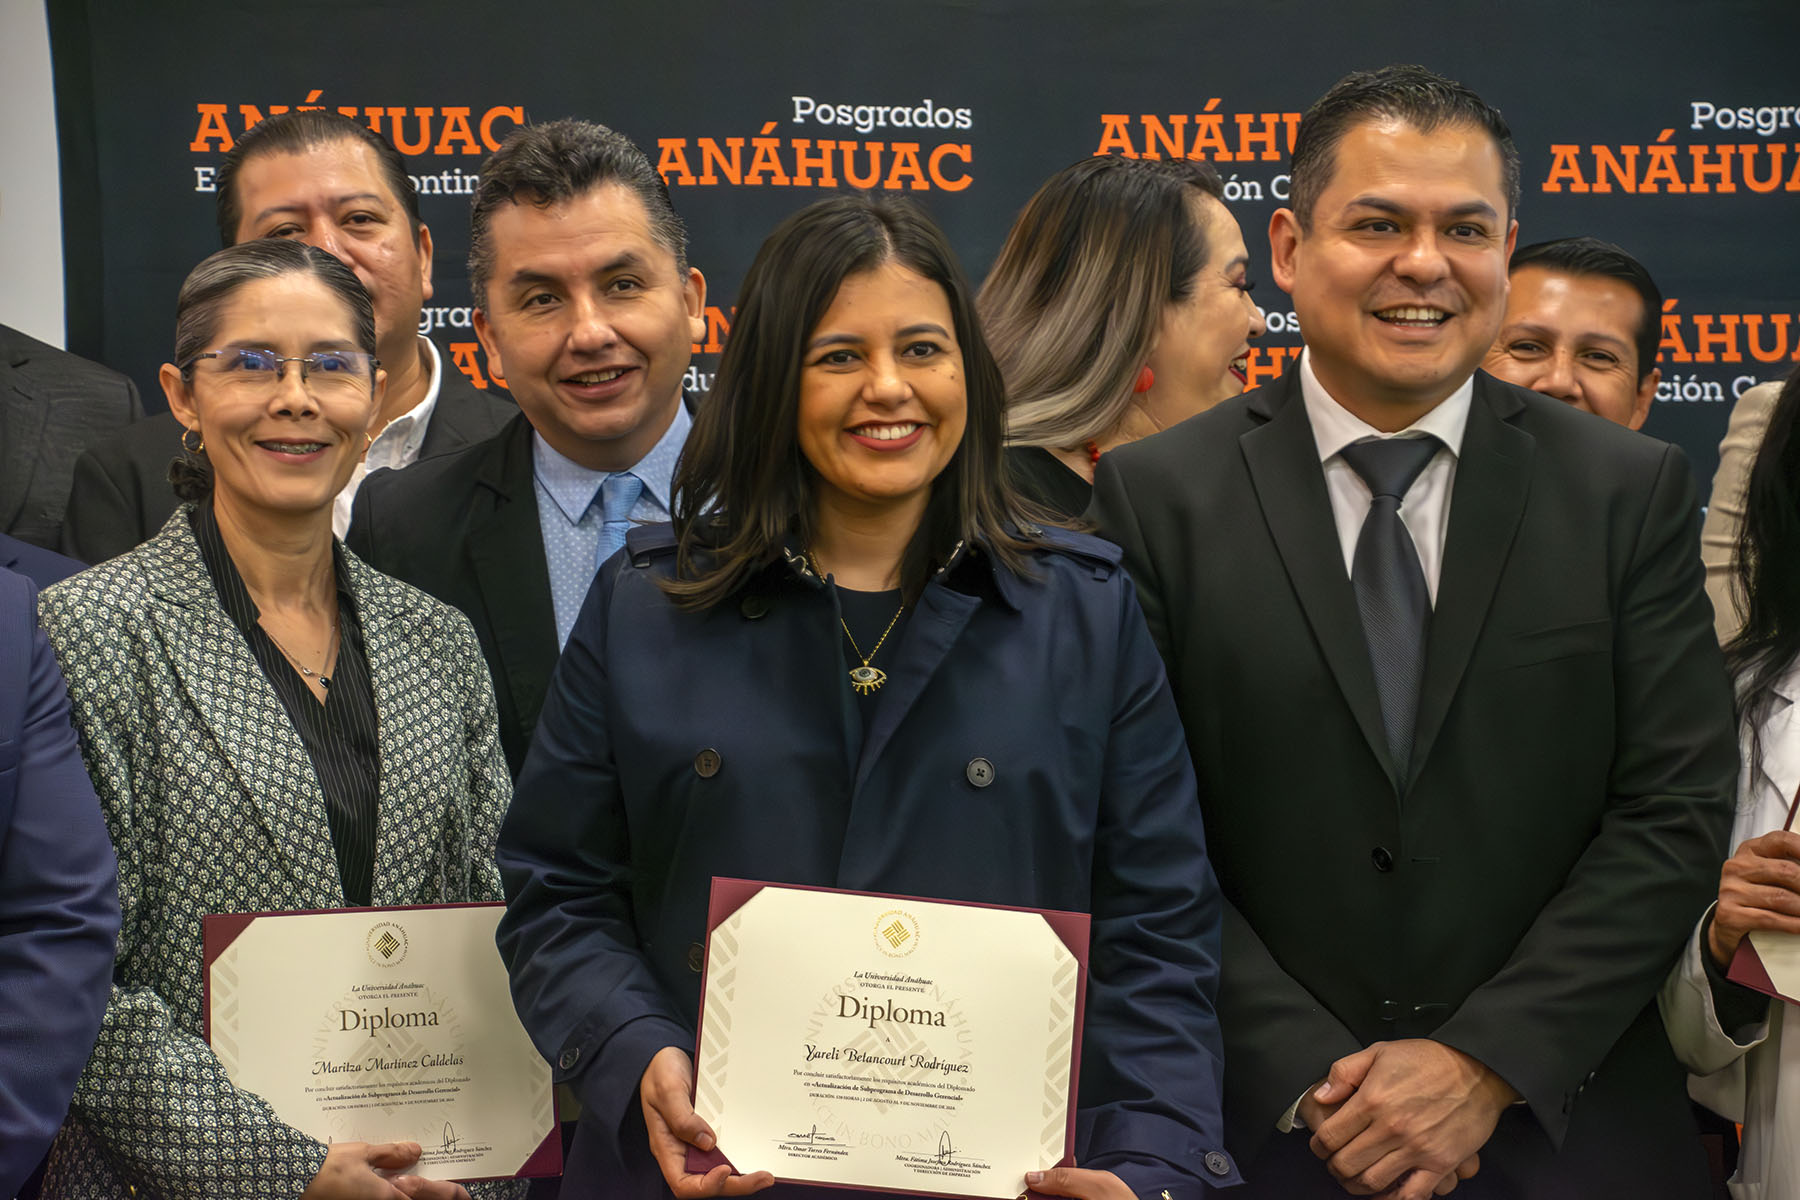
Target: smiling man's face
[
  {"x": 1400, "y": 283},
  {"x": 591, "y": 322}
]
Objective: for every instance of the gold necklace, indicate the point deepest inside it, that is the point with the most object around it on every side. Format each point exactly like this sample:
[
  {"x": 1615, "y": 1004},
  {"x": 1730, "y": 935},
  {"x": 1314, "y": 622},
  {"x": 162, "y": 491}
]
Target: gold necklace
[{"x": 865, "y": 679}]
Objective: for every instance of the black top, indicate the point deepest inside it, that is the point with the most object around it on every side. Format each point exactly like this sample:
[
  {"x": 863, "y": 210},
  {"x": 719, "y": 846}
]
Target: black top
[
  {"x": 867, "y": 614},
  {"x": 340, "y": 734},
  {"x": 1040, "y": 477}
]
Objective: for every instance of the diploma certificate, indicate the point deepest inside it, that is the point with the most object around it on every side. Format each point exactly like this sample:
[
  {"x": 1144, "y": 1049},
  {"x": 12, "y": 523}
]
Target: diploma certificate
[
  {"x": 384, "y": 1025},
  {"x": 886, "y": 1042}
]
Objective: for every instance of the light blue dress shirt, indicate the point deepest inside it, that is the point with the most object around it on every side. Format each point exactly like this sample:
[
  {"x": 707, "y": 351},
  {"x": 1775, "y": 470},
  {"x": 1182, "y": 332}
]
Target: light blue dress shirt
[{"x": 568, "y": 500}]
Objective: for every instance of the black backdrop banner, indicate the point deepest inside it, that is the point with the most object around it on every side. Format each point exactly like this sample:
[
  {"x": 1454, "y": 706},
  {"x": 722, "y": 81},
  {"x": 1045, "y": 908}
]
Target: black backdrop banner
[{"x": 1669, "y": 127}]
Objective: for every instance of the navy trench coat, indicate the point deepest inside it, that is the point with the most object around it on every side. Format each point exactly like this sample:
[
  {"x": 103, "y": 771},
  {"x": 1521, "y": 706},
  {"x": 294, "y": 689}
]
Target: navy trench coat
[{"x": 1024, "y": 751}]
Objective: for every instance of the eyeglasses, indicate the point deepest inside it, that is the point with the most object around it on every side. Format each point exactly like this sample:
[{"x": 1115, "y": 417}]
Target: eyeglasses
[{"x": 323, "y": 372}]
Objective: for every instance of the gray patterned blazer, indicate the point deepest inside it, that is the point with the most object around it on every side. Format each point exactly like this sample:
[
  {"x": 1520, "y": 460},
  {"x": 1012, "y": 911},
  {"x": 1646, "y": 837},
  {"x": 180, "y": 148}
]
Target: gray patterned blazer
[{"x": 214, "y": 807}]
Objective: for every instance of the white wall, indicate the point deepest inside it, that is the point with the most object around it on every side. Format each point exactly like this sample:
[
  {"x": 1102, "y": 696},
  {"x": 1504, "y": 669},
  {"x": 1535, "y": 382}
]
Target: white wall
[{"x": 31, "y": 268}]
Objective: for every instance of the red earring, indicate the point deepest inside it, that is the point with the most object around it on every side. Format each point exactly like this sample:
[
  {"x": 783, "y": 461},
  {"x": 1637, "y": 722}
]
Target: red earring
[{"x": 1145, "y": 381}]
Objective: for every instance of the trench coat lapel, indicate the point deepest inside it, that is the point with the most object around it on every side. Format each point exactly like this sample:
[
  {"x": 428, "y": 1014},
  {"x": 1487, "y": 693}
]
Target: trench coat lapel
[
  {"x": 1283, "y": 460},
  {"x": 241, "y": 713},
  {"x": 937, "y": 622},
  {"x": 1493, "y": 476}
]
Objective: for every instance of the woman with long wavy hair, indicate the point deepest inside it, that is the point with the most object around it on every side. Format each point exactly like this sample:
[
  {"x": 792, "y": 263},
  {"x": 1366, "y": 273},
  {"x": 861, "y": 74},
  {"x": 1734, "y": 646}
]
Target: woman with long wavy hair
[{"x": 1719, "y": 1028}]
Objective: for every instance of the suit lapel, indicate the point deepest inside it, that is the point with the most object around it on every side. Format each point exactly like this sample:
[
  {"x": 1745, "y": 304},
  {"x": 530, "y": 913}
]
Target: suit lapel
[
  {"x": 446, "y": 430},
  {"x": 1283, "y": 459},
  {"x": 1493, "y": 478},
  {"x": 506, "y": 552},
  {"x": 245, "y": 719},
  {"x": 412, "y": 797}
]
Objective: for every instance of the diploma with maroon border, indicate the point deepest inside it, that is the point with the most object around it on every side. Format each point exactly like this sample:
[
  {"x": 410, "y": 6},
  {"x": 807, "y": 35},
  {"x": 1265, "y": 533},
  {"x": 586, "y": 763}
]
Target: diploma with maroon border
[
  {"x": 1768, "y": 960},
  {"x": 384, "y": 1025},
  {"x": 888, "y": 1043}
]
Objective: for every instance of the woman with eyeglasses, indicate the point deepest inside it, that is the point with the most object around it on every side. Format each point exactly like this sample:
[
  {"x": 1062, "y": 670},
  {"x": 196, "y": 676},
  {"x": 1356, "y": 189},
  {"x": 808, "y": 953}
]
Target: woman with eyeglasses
[{"x": 269, "y": 725}]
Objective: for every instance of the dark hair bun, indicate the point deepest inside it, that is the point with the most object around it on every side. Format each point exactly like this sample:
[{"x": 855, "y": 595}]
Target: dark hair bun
[{"x": 192, "y": 478}]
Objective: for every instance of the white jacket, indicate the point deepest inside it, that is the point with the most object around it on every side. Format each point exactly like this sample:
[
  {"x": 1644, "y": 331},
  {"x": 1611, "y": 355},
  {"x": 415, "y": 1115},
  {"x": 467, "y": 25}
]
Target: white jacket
[{"x": 1758, "y": 1079}]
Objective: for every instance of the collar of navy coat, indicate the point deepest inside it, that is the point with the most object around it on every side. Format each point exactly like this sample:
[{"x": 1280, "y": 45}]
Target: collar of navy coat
[
  {"x": 970, "y": 579},
  {"x": 251, "y": 730},
  {"x": 970, "y": 569}
]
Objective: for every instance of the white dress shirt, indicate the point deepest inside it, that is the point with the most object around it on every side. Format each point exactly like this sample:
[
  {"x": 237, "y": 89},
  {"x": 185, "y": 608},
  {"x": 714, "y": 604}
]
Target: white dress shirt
[
  {"x": 1425, "y": 511},
  {"x": 396, "y": 446}
]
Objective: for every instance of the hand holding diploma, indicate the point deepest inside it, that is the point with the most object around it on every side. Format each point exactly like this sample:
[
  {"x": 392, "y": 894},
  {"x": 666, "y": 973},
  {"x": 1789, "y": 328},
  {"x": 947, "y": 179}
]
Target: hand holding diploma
[
  {"x": 352, "y": 1171},
  {"x": 1759, "y": 888},
  {"x": 1077, "y": 1182},
  {"x": 674, "y": 1126}
]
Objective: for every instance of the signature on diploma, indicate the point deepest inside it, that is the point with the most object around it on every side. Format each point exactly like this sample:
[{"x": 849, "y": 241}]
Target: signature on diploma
[
  {"x": 811, "y": 1136},
  {"x": 945, "y": 1150},
  {"x": 449, "y": 1137}
]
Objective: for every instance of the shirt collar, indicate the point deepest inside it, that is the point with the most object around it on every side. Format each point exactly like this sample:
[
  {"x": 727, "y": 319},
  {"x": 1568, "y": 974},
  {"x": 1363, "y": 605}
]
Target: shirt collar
[
  {"x": 657, "y": 468},
  {"x": 1335, "y": 426},
  {"x": 409, "y": 427},
  {"x": 572, "y": 486},
  {"x": 1787, "y": 684}
]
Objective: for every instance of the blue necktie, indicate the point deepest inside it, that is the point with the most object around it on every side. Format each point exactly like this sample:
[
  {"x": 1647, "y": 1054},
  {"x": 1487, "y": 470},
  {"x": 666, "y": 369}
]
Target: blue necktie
[
  {"x": 1390, "y": 585},
  {"x": 618, "y": 496}
]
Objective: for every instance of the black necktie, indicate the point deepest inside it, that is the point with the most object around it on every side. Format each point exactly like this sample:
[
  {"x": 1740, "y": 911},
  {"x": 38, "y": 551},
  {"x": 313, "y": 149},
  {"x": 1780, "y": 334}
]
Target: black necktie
[{"x": 1390, "y": 586}]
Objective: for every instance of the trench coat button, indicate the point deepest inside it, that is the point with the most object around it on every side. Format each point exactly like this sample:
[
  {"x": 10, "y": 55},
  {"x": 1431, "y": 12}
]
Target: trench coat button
[
  {"x": 1217, "y": 1163},
  {"x": 1383, "y": 860},
  {"x": 569, "y": 1058},
  {"x": 696, "y": 957},
  {"x": 980, "y": 772},
  {"x": 706, "y": 763},
  {"x": 754, "y": 607}
]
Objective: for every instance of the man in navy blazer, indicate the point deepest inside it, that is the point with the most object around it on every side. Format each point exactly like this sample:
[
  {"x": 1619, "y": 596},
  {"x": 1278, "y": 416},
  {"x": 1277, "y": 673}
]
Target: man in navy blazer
[
  {"x": 42, "y": 567},
  {"x": 59, "y": 899},
  {"x": 1464, "y": 739}
]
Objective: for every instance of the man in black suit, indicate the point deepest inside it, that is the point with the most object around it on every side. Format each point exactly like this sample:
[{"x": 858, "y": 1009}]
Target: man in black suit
[
  {"x": 332, "y": 183},
  {"x": 1464, "y": 739},
  {"x": 587, "y": 307},
  {"x": 53, "y": 406}
]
